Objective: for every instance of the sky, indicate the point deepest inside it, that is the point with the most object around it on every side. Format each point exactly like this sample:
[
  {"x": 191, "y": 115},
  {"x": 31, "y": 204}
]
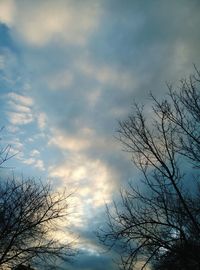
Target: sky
[{"x": 69, "y": 70}]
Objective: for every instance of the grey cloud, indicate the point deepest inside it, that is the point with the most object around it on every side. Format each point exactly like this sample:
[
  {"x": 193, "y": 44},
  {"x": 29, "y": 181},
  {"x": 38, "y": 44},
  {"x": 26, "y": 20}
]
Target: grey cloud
[{"x": 87, "y": 261}]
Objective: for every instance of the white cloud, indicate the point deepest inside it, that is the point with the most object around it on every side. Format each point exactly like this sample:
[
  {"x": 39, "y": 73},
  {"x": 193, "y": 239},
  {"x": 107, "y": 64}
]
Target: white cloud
[
  {"x": 24, "y": 100},
  {"x": 16, "y": 143},
  {"x": 81, "y": 141},
  {"x": 7, "y": 10},
  {"x": 18, "y": 107},
  {"x": 16, "y": 148},
  {"x": 69, "y": 142},
  {"x": 20, "y": 112},
  {"x": 39, "y": 164},
  {"x": 42, "y": 21},
  {"x": 34, "y": 153},
  {"x": 41, "y": 118},
  {"x": 29, "y": 161},
  {"x": 16, "y": 118},
  {"x": 92, "y": 181}
]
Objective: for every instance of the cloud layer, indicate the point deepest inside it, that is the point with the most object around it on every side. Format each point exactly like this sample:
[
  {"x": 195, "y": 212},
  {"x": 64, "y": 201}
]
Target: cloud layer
[
  {"x": 39, "y": 23},
  {"x": 69, "y": 71}
]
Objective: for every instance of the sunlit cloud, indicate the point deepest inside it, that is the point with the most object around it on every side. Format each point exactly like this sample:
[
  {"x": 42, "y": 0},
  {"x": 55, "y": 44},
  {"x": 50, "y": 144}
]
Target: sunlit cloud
[
  {"x": 7, "y": 11},
  {"x": 93, "y": 181},
  {"x": 50, "y": 21},
  {"x": 69, "y": 142}
]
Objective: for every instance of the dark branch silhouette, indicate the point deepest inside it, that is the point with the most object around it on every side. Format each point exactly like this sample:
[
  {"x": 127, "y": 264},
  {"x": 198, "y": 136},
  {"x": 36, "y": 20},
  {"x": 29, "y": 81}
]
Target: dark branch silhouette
[
  {"x": 30, "y": 215},
  {"x": 161, "y": 220}
]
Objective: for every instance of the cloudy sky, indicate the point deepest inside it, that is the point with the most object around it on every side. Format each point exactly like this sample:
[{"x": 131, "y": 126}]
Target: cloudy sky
[{"x": 69, "y": 70}]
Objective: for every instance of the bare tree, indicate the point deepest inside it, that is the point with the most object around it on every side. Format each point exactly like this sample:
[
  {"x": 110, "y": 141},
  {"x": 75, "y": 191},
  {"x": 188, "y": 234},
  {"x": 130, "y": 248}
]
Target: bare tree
[
  {"x": 181, "y": 256},
  {"x": 5, "y": 153},
  {"x": 163, "y": 216},
  {"x": 30, "y": 215}
]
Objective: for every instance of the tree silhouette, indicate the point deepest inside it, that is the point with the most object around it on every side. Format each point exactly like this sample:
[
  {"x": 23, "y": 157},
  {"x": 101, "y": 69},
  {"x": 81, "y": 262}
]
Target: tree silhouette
[
  {"x": 181, "y": 256},
  {"x": 23, "y": 267},
  {"x": 160, "y": 221},
  {"x": 30, "y": 214}
]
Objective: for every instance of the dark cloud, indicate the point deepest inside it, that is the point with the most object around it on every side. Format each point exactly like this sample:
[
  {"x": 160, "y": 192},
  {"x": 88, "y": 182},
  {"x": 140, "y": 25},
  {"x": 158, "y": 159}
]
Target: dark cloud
[{"x": 88, "y": 261}]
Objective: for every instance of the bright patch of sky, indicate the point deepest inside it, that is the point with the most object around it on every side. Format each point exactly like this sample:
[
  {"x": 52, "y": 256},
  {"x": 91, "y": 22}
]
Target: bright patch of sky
[{"x": 68, "y": 71}]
